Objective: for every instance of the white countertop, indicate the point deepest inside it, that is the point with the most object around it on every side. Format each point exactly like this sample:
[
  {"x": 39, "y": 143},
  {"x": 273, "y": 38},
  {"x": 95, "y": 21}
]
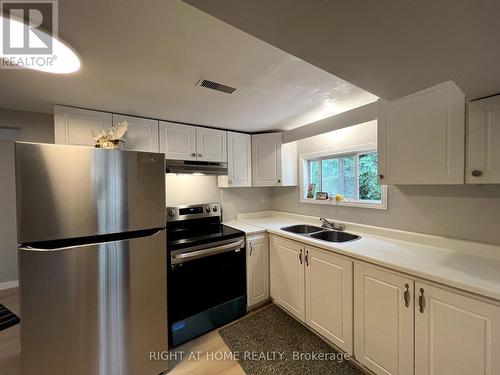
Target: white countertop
[
  {"x": 244, "y": 227},
  {"x": 442, "y": 263}
]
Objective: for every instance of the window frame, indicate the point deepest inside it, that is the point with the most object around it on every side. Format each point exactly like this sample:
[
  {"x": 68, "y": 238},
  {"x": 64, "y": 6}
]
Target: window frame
[{"x": 338, "y": 153}]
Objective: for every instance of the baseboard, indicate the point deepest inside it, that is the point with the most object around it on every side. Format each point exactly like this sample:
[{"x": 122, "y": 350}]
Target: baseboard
[{"x": 9, "y": 284}]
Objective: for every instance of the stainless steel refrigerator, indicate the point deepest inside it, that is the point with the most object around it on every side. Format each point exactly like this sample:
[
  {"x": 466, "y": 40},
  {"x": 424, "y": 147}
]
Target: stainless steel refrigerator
[{"x": 92, "y": 260}]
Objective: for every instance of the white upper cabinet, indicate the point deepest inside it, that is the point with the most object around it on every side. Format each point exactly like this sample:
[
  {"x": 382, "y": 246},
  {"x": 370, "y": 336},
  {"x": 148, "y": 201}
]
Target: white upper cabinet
[
  {"x": 329, "y": 296},
  {"x": 421, "y": 137},
  {"x": 142, "y": 134},
  {"x": 483, "y": 142},
  {"x": 455, "y": 334},
  {"x": 211, "y": 145},
  {"x": 383, "y": 320},
  {"x": 239, "y": 161},
  {"x": 74, "y": 126},
  {"x": 273, "y": 164},
  {"x": 178, "y": 141},
  {"x": 186, "y": 142}
]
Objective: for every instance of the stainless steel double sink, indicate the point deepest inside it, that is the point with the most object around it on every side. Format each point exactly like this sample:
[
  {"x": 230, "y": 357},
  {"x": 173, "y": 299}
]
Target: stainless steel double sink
[{"x": 320, "y": 233}]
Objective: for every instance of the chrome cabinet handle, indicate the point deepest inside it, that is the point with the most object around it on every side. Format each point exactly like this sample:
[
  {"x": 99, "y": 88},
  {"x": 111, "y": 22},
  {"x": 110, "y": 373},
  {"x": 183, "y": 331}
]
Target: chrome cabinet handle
[
  {"x": 199, "y": 155},
  {"x": 307, "y": 258},
  {"x": 193, "y": 154},
  {"x": 421, "y": 300},
  {"x": 230, "y": 182},
  {"x": 300, "y": 256},
  {"x": 407, "y": 295}
]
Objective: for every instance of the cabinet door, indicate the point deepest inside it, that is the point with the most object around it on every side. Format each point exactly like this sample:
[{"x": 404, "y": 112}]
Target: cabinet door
[
  {"x": 74, "y": 126},
  {"x": 483, "y": 157},
  {"x": 329, "y": 296},
  {"x": 257, "y": 270},
  {"x": 239, "y": 159},
  {"x": 266, "y": 159},
  {"x": 211, "y": 145},
  {"x": 287, "y": 275},
  {"x": 455, "y": 334},
  {"x": 383, "y": 333},
  {"x": 421, "y": 137},
  {"x": 178, "y": 141},
  {"x": 142, "y": 134}
]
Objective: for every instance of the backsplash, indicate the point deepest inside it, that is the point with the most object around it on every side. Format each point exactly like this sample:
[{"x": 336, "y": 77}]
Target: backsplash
[{"x": 201, "y": 189}]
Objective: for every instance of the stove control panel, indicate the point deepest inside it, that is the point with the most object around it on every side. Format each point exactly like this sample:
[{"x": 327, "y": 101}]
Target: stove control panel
[{"x": 193, "y": 211}]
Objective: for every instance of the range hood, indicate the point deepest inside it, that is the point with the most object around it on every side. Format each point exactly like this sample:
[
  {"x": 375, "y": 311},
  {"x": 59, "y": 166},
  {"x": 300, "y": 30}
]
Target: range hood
[{"x": 193, "y": 166}]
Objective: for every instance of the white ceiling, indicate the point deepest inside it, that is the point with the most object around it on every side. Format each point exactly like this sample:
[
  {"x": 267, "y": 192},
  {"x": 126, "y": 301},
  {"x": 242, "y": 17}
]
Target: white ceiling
[
  {"x": 144, "y": 58},
  {"x": 388, "y": 47}
]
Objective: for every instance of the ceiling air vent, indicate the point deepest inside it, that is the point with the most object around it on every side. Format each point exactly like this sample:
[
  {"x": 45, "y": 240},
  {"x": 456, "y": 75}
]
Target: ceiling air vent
[{"x": 215, "y": 86}]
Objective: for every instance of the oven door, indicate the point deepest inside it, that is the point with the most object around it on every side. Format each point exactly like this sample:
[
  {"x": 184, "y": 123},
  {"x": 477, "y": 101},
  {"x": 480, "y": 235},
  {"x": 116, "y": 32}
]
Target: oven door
[{"x": 207, "y": 288}]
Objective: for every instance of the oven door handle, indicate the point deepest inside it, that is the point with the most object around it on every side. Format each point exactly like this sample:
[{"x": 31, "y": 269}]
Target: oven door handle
[{"x": 184, "y": 257}]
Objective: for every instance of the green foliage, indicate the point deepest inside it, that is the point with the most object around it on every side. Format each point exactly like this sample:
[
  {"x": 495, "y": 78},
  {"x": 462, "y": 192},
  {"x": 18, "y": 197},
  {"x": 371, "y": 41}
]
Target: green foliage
[
  {"x": 349, "y": 167},
  {"x": 338, "y": 176},
  {"x": 369, "y": 188}
]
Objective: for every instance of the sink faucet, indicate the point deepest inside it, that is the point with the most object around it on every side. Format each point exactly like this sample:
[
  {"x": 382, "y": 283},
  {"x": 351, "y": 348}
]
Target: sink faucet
[{"x": 331, "y": 225}]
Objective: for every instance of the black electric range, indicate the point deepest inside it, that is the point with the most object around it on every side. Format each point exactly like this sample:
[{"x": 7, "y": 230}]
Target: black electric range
[{"x": 206, "y": 271}]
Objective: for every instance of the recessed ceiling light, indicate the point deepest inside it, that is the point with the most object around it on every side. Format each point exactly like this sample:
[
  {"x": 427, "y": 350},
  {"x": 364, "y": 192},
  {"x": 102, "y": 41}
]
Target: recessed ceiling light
[{"x": 62, "y": 60}]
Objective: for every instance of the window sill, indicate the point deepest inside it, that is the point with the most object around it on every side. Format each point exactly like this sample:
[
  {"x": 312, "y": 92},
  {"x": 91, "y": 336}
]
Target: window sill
[{"x": 347, "y": 203}]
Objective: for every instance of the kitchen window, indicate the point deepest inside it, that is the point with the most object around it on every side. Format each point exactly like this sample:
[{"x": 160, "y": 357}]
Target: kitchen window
[{"x": 350, "y": 173}]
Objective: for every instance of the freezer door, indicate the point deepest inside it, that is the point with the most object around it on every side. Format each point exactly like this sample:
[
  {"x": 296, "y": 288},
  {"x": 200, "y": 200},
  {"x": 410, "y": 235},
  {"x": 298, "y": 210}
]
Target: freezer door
[
  {"x": 74, "y": 191},
  {"x": 94, "y": 310}
]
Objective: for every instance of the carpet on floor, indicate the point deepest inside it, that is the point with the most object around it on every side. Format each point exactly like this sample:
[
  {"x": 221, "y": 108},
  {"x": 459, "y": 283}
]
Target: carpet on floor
[
  {"x": 7, "y": 318},
  {"x": 272, "y": 342}
]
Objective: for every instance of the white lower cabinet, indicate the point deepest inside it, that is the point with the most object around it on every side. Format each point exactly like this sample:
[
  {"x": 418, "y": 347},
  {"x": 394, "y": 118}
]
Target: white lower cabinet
[
  {"x": 287, "y": 275},
  {"x": 401, "y": 326},
  {"x": 455, "y": 334},
  {"x": 329, "y": 296},
  {"x": 383, "y": 320},
  {"x": 257, "y": 269},
  {"x": 316, "y": 286}
]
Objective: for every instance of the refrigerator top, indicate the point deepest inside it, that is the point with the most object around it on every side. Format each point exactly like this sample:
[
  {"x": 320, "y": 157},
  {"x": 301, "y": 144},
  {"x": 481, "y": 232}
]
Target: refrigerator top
[{"x": 71, "y": 191}]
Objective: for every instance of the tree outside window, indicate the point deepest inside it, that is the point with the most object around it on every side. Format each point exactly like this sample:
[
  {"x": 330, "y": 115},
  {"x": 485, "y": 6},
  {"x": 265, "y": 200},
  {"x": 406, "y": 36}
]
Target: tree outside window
[{"x": 354, "y": 176}]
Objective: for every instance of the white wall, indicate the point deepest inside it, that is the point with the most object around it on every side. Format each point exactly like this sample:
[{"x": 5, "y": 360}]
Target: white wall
[
  {"x": 25, "y": 126},
  {"x": 240, "y": 200},
  {"x": 191, "y": 190},
  {"x": 462, "y": 211},
  {"x": 203, "y": 189}
]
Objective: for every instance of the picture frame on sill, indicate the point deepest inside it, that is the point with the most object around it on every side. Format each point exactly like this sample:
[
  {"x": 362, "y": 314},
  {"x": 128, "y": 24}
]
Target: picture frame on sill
[
  {"x": 322, "y": 195},
  {"x": 310, "y": 190}
]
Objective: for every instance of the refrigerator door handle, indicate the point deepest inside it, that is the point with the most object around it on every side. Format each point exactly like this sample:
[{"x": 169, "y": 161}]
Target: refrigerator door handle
[{"x": 97, "y": 240}]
